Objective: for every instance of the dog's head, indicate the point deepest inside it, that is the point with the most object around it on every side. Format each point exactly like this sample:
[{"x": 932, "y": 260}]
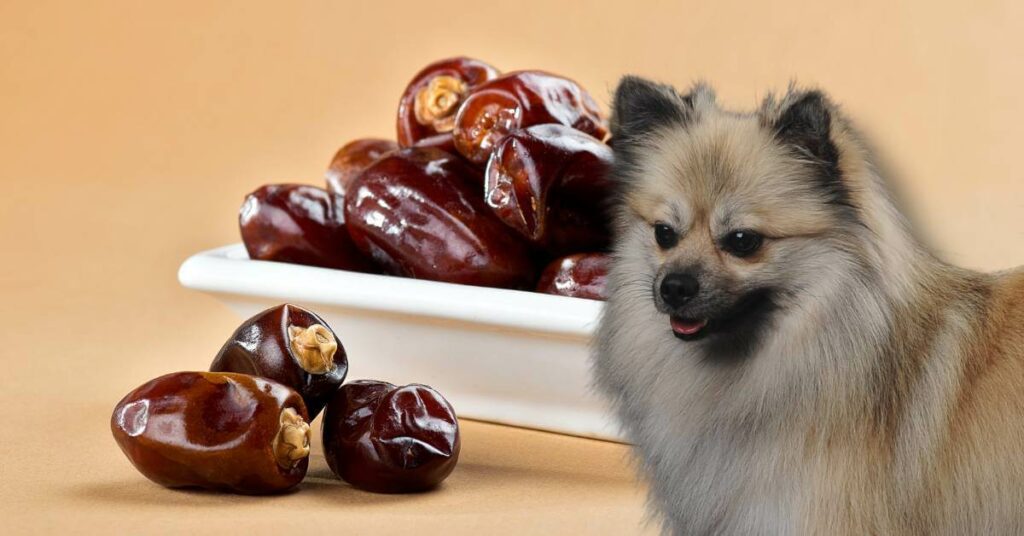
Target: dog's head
[{"x": 725, "y": 218}]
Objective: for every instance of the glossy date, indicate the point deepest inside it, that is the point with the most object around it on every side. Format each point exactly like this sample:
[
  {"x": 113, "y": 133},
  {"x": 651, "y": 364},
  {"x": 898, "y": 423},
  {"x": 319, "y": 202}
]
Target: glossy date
[
  {"x": 550, "y": 183},
  {"x": 430, "y": 101},
  {"x": 518, "y": 100},
  {"x": 583, "y": 275},
  {"x": 443, "y": 142},
  {"x": 298, "y": 224},
  {"x": 389, "y": 439},
  {"x": 230, "y": 432},
  {"x": 292, "y": 346},
  {"x": 419, "y": 213},
  {"x": 352, "y": 159}
]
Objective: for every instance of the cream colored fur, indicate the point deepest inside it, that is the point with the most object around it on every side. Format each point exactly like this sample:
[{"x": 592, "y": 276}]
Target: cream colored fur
[{"x": 887, "y": 396}]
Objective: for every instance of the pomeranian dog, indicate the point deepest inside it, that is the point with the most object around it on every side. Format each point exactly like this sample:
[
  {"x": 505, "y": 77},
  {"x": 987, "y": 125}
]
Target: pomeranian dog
[{"x": 783, "y": 353}]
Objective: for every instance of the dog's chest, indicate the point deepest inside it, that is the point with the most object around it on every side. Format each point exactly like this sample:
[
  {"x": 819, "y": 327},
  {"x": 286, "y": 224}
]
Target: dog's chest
[
  {"x": 719, "y": 481},
  {"x": 719, "y": 477}
]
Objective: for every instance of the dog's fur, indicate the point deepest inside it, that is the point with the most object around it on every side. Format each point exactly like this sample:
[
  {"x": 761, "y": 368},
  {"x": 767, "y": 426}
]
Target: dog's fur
[{"x": 870, "y": 389}]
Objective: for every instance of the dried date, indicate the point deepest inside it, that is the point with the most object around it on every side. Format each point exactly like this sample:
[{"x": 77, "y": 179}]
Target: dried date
[{"x": 229, "y": 432}]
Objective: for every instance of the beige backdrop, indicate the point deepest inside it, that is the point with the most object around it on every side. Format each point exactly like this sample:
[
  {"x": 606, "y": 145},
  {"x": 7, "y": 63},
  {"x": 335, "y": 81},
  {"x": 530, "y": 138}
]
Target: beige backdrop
[
  {"x": 218, "y": 97},
  {"x": 129, "y": 132}
]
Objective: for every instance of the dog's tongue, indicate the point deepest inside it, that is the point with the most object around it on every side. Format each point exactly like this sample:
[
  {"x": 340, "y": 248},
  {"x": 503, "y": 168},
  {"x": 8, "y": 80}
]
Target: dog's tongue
[{"x": 687, "y": 327}]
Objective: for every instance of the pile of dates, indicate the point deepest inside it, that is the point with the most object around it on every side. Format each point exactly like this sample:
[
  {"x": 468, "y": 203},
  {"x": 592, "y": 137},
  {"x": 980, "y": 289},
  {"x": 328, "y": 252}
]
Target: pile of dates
[
  {"x": 494, "y": 179},
  {"x": 243, "y": 426}
]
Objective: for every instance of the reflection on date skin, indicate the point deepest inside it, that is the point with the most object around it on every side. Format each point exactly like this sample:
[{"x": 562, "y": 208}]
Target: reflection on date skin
[
  {"x": 389, "y": 439},
  {"x": 292, "y": 346},
  {"x": 229, "y": 432},
  {"x": 299, "y": 224},
  {"x": 419, "y": 213},
  {"x": 583, "y": 275},
  {"x": 518, "y": 100},
  {"x": 443, "y": 142}
]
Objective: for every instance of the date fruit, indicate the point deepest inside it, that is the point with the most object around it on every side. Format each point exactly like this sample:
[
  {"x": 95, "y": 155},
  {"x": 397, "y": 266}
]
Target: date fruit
[
  {"x": 429, "y": 102},
  {"x": 291, "y": 346},
  {"x": 583, "y": 275},
  {"x": 352, "y": 159},
  {"x": 519, "y": 100},
  {"x": 389, "y": 439},
  {"x": 418, "y": 213},
  {"x": 572, "y": 229},
  {"x": 299, "y": 224},
  {"x": 550, "y": 182},
  {"x": 443, "y": 142},
  {"x": 211, "y": 430}
]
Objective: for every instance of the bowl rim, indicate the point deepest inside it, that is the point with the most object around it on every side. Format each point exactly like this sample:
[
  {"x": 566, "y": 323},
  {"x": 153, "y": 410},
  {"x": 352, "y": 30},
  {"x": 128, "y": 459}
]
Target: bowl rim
[{"x": 228, "y": 269}]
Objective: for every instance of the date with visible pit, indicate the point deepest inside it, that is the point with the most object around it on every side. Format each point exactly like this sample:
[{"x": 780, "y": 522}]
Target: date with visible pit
[
  {"x": 292, "y": 346},
  {"x": 243, "y": 427},
  {"x": 218, "y": 431}
]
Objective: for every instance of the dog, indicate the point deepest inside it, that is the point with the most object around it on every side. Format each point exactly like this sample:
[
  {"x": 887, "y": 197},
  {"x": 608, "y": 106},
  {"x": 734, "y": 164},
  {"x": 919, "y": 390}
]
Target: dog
[{"x": 782, "y": 351}]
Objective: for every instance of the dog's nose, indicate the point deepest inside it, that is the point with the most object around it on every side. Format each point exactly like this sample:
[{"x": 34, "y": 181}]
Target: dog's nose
[{"x": 677, "y": 289}]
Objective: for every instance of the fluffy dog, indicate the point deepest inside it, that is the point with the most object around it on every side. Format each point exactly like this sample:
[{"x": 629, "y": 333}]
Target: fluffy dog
[{"x": 785, "y": 355}]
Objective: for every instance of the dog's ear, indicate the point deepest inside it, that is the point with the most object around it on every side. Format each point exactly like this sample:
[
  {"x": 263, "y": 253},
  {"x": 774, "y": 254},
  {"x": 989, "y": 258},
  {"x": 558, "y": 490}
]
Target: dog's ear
[
  {"x": 641, "y": 106},
  {"x": 804, "y": 121}
]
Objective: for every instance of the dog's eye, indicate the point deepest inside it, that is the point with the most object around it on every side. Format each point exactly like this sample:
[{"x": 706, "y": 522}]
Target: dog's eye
[
  {"x": 742, "y": 243},
  {"x": 665, "y": 235}
]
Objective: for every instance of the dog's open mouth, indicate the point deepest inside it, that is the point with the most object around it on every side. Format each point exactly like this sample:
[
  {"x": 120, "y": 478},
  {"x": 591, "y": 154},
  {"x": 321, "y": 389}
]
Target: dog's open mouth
[
  {"x": 686, "y": 328},
  {"x": 745, "y": 317}
]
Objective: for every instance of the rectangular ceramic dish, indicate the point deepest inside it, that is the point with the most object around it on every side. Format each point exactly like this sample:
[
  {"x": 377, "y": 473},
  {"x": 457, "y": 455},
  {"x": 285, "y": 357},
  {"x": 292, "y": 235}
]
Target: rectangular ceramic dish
[{"x": 505, "y": 356}]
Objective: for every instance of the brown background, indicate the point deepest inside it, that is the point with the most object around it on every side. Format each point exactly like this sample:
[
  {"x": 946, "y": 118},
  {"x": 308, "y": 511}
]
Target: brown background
[{"x": 129, "y": 132}]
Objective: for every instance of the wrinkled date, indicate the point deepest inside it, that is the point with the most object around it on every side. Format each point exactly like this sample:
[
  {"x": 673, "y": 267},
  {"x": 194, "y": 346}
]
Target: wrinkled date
[
  {"x": 352, "y": 159},
  {"x": 289, "y": 345},
  {"x": 390, "y": 439},
  {"x": 298, "y": 224},
  {"x": 217, "y": 431},
  {"x": 583, "y": 275},
  {"x": 418, "y": 214},
  {"x": 518, "y": 100},
  {"x": 550, "y": 183},
  {"x": 429, "y": 102}
]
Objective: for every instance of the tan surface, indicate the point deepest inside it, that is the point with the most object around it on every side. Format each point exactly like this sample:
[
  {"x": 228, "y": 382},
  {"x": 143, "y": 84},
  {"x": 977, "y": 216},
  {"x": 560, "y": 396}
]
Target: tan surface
[
  {"x": 509, "y": 481},
  {"x": 130, "y": 131}
]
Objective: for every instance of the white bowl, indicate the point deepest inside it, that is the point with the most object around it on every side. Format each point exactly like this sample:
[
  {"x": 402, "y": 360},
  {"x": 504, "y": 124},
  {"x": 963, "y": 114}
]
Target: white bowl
[{"x": 506, "y": 356}]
